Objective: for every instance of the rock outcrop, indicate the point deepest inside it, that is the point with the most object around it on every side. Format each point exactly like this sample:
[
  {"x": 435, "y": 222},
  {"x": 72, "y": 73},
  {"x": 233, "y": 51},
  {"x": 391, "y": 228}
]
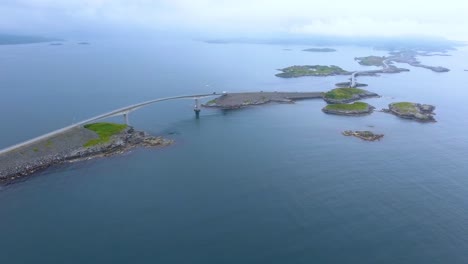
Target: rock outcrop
[{"x": 118, "y": 144}]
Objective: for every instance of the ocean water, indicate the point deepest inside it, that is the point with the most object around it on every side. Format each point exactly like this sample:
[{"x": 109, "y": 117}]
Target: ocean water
[{"x": 268, "y": 184}]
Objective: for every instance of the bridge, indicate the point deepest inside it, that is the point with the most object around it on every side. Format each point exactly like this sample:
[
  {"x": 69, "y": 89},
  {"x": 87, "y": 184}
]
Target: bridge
[
  {"x": 124, "y": 111},
  {"x": 353, "y": 80}
]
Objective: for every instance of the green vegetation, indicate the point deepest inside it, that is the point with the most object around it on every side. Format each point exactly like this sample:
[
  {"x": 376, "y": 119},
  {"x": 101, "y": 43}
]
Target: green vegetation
[
  {"x": 320, "y": 50},
  {"x": 35, "y": 149},
  {"x": 105, "y": 131},
  {"x": 49, "y": 143},
  {"x": 343, "y": 93},
  {"x": 311, "y": 70},
  {"x": 356, "y": 106},
  {"x": 371, "y": 60},
  {"x": 405, "y": 107}
]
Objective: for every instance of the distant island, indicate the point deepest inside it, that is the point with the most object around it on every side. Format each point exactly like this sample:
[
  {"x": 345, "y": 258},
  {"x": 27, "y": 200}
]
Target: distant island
[
  {"x": 320, "y": 50},
  {"x": 7, "y": 39},
  {"x": 311, "y": 70},
  {"x": 404, "y": 56}
]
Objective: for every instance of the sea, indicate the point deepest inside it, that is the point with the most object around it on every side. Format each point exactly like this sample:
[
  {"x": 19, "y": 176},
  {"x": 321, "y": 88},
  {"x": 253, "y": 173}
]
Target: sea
[{"x": 276, "y": 183}]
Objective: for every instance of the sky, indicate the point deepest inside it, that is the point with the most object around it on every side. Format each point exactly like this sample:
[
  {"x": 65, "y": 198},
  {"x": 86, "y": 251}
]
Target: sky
[{"x": 448, "y": 19}]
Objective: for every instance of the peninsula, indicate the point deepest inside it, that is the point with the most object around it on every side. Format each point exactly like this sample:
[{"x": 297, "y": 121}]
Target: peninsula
[{"x": 81, "y": 143}]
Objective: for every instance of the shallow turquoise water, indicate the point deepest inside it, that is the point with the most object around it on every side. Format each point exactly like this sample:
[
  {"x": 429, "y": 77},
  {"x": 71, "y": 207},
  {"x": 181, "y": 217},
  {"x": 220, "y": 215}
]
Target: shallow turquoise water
[{"x": 270, "y": 184}]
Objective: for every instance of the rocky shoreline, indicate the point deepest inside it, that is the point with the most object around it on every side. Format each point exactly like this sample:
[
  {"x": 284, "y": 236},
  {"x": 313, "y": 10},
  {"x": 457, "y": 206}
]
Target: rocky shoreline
[{"x": 120, "y": 143}]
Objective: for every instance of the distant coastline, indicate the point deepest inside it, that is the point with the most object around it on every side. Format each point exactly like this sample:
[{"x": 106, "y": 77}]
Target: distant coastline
[{"x": 10, "y": 39}]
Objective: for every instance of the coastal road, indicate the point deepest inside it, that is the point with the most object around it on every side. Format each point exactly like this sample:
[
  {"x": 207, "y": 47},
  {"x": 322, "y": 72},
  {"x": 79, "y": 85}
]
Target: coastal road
[{"x": 124, "y": 111}]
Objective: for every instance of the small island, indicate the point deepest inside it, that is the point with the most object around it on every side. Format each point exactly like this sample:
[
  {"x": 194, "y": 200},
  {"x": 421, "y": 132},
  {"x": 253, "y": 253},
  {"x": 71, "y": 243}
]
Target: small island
[
  {"x": 364, "y": 135},
  {"x": 354, "y": 109},
  {"x": 347, "y": 95},
  {"x": 415, "y": 111},
  {"x": 320, "y": 50},
  {"x": 80, "y": 143},
  {"x": 311, "y": 70}
]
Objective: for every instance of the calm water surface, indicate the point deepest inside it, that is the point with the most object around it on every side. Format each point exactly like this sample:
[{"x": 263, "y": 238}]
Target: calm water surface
[{"x": 270, "y": 184}]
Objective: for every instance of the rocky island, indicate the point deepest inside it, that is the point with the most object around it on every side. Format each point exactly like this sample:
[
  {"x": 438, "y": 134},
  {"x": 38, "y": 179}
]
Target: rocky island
[
  {"x": 311, "y": 70},
  {"x": 415, "y": 111},
  {"x": 320, "y": 50},
  {"x": 356, "y": 108},
  {"x": 364, "y": 135},
  {"x": 347, "y": 95},
  {"x": 80, "y": 143}
]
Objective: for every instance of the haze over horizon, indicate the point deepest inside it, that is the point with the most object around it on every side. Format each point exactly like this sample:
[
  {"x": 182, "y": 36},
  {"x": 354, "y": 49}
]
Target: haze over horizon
[{"x": 242, "y": 18}]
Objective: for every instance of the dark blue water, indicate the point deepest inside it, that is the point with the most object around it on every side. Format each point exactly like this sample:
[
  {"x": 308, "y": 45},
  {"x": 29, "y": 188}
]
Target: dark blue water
[{"x": 270, "y": 184}]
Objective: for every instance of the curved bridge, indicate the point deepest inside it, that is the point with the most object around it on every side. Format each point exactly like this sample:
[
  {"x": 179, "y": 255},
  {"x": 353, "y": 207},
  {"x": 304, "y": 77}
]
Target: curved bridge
[{"x": 124, "y": 111}]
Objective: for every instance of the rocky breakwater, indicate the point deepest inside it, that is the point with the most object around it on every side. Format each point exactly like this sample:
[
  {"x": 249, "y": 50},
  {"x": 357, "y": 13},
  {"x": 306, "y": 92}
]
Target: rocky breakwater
[
  {"x": 347, "y": 95},
  {"x": 354, "y": 109},
  {"x": 414, "y": 111},
  {"x": 241, "y": 100},
  {"x": 70, "y": 147}
]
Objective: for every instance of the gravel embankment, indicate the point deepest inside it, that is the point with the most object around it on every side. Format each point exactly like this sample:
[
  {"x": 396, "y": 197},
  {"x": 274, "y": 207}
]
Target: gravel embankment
[{"x": 238, "y": 100}]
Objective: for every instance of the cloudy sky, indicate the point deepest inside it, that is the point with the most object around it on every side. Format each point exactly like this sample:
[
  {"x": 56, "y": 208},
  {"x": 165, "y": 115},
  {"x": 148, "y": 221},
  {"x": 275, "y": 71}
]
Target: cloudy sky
[{"x": 447, "y": 18}]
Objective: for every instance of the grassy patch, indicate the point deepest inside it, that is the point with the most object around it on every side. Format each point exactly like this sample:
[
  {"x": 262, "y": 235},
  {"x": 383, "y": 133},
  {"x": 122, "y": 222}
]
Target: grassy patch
[
  {"x": 105, "y": 131},
  {"x": 357, "y": 106},
  {"x": 405, "y": 107},
  {"x": 343, "y": 93},
  {"x": 371, "y": 60},
  {"x": 310, "y": 70}
]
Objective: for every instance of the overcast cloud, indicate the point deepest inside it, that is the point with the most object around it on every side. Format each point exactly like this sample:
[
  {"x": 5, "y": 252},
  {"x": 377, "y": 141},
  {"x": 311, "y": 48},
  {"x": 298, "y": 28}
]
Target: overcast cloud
[{"x": 447, "y": 18}]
